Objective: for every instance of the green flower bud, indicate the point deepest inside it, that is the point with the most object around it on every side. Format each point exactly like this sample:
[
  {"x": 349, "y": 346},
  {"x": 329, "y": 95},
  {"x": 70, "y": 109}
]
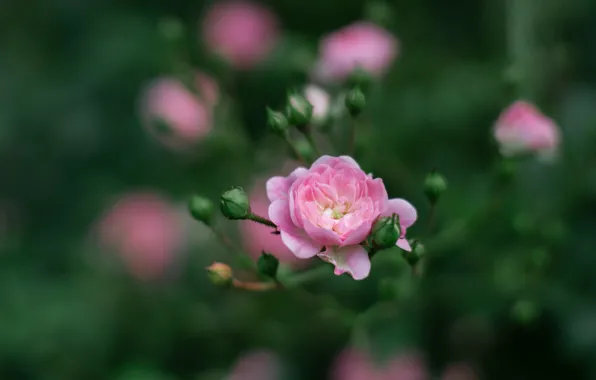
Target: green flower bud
[
  {"x": 417, "y": 253},
  {"x": 220, "y": 274},
  {"x": 434, "y": 185},
  {"x": 234, "y": 203},
  {"x": 298, "y": 110},
  {"x": 201, "y": 209},
  {"x": 355, "y": 101},
  {"x": 385, "y": 232},
  {"x": 268, "y": 265},
  {"x": 277, "y": 122}
]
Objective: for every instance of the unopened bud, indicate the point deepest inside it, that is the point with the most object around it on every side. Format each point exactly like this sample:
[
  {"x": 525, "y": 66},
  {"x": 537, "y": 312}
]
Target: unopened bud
[
  {"x": 201, "y": 209},
  {"x": 220, "y": 274},
  {"x": 355, "y": 101},
  {"x": 385, "y": 232},
  {"x": 268, "y": 265},
  {"x": 434, "y": 185},
  {"x": 298, "y": 110},
  {"x": 416, "y": 254},
  {"x": 234, "y": 203},
  {"x": 277, "y": 121}
]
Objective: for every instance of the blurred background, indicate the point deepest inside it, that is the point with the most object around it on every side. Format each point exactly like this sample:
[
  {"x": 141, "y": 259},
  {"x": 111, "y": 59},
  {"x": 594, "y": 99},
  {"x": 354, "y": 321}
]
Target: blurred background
[{"x": 113, "y": 113}]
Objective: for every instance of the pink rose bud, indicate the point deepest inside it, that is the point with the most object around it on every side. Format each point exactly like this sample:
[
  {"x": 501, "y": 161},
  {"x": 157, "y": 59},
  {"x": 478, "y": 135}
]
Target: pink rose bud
[
  {"x": 522, "y": 128},
  {"x": 256, "y": 365},
  {"x": 176, "y": 116},
  {"x": 329, "y": 209},
  {"x": 145, "y": 230},
  {"x": 320, "y": 101},
  {"x": 242, "y": 32},
  {"x": 360, "y": 45}
]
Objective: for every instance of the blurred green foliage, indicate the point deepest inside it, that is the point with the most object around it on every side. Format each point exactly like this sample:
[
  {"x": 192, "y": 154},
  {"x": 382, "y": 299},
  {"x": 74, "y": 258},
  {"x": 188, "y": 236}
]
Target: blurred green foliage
[{"x": 513, "y": 292}]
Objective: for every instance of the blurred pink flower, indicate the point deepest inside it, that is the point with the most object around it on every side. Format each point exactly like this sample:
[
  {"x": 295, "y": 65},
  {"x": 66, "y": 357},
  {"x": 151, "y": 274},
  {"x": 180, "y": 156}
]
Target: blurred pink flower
[
  {"x": 362, "y": 44},
  {"x": 256, "y": 365},
  {"x": 354, "y": 365},
  {"x": 522, "y": 128},
  {"x": 241, "y": 31},
  {"x": 321, "y": 102},
  {"x": 257, "y": 237},
  {"x": 145, "y": 230},
  {"x": 188, "y": 117},
  {"x": 332, "y": 206}
]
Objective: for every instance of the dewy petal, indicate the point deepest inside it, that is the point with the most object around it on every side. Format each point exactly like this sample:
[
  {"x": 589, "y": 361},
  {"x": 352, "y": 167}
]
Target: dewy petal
[
  {"x": 404, "y": 244},
  {"x": 279, "y": 213},
  {"x": 321, "y": 235},
  {"x": 406, "y": 212},
  {"x": 277, "y": 188},
  {"x": 301, "y": 247},
  {"x": 353, "y": 260}
]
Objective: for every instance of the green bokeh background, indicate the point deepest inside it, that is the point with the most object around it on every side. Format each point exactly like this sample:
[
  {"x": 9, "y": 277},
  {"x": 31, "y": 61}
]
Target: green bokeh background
[{"x": 512, "y": 293}]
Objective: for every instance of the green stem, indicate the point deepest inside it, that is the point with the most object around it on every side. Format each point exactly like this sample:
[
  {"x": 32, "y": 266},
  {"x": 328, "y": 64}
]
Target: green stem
[
  {"x": 295, "y": 150},
  {"x": 311, "y": 141},
  {"x": 242, "y": 258},
  {"x": 352, "y": 142},
  {"x": 259, "y": 219},
  {"x": 431, "y": 218}
]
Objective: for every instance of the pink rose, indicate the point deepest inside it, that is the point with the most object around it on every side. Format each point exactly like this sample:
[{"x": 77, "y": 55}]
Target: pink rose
[
  {"x": 355, "y": 365},
  {"x": 145, "y": 230},
  {"x": 256, "y": 365},
  {"x": 241, "y": 31},
  {"x": 362, "y": 44},
  {"x": 329, "y": 209},
  {"x": 522, "y": 128},
  {"x": 187, "y": 116},
  {"x": 257, "y": 237}
]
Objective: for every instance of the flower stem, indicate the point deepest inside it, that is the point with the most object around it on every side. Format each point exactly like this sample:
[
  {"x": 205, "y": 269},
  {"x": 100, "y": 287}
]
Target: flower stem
[
  {"x": 311, "y": 141},
  {"x": 295, "y": 150},
  {"x": 259, "y": 219},
  {"x": 431, "y": 218},
  {"x": 240, "y": 256},
  {"x": 254, "y": 286},
  {"x": 352, "y": 141}
]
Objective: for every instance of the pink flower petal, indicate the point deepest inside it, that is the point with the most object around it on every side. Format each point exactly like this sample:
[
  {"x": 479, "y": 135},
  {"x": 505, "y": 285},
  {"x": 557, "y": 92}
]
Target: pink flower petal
[
  {"x": 277, "y": 188},
  {"x": 331, "y": 161},
  {"x": 301, "y": 247},
  {"x": 407, "y": 213},
  {"x": 353, "y": 260},
  {"x": 279, "y": 213},
  {"x": 358, "y": 235},
  {"x": 321, "y": 235},
  {"x": 404, "y": 244}
]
